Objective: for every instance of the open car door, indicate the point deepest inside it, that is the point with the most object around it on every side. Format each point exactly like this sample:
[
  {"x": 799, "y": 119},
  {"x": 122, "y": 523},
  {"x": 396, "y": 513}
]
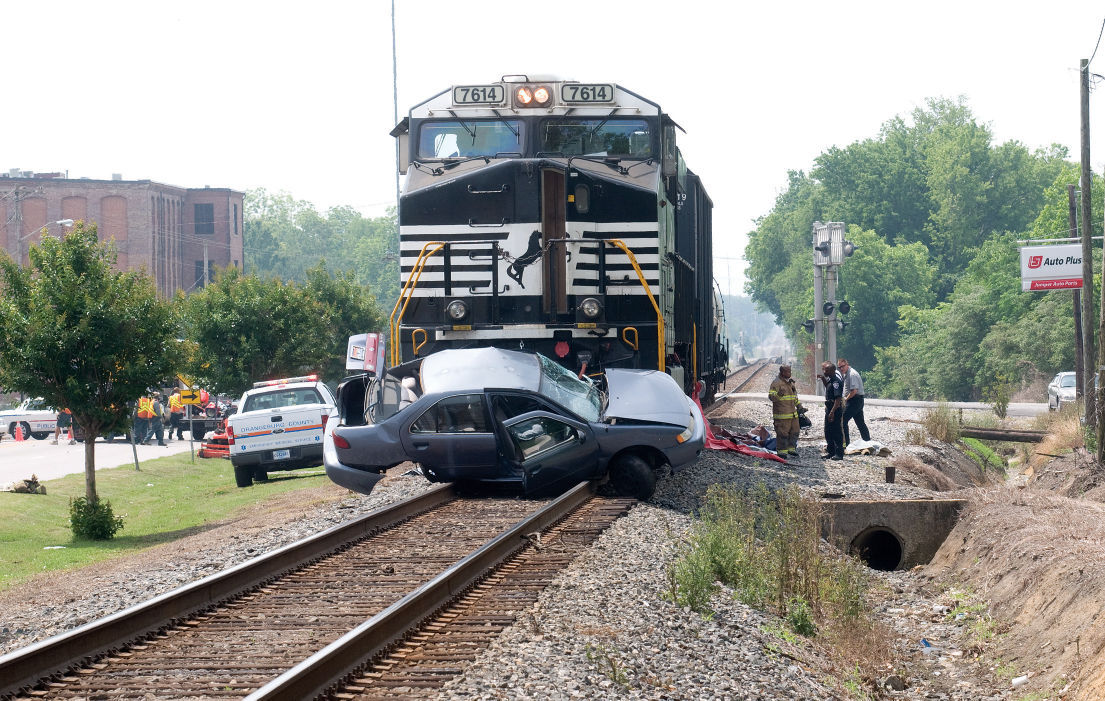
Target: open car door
[{"x": 554, "y": 451}]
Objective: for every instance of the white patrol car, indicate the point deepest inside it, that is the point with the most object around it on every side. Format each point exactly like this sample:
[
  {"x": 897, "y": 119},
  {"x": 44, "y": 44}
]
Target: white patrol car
[
  {"x": 278, "y": 426},
  {"x": 33, "y": 416}
]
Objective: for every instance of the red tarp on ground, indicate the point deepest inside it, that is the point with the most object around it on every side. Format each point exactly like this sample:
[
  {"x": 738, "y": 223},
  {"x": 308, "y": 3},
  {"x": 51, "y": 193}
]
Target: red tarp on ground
[{"x": 718, "y": 438}]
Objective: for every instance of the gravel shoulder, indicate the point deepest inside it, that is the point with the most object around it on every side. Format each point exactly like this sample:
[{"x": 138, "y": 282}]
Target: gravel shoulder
[{"x": 604, "y": 628}]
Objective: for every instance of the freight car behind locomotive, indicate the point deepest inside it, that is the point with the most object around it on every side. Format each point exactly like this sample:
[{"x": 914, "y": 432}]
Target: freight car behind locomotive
[{"x": 559, "y": 217}]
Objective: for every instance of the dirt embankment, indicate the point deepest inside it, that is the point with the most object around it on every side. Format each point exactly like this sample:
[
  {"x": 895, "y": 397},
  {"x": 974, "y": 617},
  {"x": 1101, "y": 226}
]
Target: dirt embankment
[{"x": 1036, "y": 554}]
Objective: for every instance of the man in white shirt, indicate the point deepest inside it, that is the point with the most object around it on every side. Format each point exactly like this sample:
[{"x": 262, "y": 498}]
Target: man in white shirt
[{"x": 853, "y": 400}]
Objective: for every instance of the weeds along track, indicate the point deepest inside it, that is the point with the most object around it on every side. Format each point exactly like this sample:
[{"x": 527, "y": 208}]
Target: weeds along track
[{"x": 298, "y": 621}]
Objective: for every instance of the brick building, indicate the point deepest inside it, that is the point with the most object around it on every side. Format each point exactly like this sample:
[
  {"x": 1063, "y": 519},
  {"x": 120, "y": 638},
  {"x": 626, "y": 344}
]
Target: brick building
[{"x": 167, "y": 230}]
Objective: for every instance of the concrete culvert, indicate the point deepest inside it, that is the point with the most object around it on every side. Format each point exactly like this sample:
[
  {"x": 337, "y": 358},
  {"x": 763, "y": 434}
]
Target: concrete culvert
[{"x": 879, "y": 548}]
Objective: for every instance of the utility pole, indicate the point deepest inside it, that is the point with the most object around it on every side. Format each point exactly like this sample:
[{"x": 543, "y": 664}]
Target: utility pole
[
  {"x": 1087, "y": 268},
  {"x": 1092, "y": 405}
]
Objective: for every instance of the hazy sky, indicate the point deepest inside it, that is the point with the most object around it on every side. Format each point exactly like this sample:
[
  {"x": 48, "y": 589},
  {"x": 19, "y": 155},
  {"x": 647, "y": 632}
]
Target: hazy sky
[{"x": 297, "y": 97}]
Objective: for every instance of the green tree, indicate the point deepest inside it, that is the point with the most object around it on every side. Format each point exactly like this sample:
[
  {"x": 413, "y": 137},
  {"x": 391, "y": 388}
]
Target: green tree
[
  {"x": 286, "y": 237},
  {"x": 245, "y": 329},
  {"x": 347, "y": 309},
  {"x": 83, "y": 335}
]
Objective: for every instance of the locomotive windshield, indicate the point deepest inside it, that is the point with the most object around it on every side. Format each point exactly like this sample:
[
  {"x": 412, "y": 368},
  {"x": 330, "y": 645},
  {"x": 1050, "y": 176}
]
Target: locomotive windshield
[
  {"x": 466, "y": 138},
  {"x": 595, "y": 137}
]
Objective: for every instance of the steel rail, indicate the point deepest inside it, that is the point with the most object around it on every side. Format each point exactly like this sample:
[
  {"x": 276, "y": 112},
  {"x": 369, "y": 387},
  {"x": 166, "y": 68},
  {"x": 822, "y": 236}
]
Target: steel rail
[
  {"x": 328, "y": 667},
  {"x": 27, "y": 666},
  {"x": 756, "y": 370}
]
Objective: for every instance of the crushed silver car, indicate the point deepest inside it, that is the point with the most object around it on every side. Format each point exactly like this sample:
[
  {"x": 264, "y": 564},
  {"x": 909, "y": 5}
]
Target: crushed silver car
[{"x": 491, "y": 416}]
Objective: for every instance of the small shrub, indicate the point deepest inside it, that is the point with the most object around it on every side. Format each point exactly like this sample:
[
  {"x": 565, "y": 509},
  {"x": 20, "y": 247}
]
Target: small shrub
[
  {"x": 915, "y": 436},
  {"x": 93, "y": 520},
  {"x": 998, "y": 395},
  {"x": 691, "y": 580},
  {"x": 800, "y": 618},
  {"x": 941, "y": 423}
]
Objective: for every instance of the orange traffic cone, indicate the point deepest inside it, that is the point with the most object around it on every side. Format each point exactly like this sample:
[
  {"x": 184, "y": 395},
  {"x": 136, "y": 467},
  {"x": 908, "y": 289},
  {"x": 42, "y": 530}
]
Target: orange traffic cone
[
  {"x": 19, "y": 432},
  {"x": 71, "y": 441}
]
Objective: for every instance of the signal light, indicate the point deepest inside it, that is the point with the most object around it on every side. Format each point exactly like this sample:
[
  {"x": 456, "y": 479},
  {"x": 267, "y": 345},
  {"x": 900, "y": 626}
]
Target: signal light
[
  {"x": 844, "y": 307},
  {"x": 827, "y": 308},
  {"x": 808, "y": 325},
  {"x": 849, "y": 248}
]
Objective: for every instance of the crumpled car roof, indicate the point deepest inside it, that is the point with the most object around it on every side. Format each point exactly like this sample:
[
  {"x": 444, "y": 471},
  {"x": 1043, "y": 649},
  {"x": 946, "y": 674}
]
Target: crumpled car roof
[{"x": 477, "y": 368}]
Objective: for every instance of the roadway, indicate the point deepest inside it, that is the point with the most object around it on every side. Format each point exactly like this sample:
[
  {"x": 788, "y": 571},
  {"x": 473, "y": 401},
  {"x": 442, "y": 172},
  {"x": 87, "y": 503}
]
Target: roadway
[
  {"x": 21, "y": 459},
  {"x": 1014, "y": 408}
]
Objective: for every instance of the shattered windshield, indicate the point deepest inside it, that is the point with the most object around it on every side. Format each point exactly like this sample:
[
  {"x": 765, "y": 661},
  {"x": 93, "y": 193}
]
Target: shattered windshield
[
  {"x": 628, "y": 138},
  {"x": 465, "y": 138},
  {"x": 564, "y": 388}
]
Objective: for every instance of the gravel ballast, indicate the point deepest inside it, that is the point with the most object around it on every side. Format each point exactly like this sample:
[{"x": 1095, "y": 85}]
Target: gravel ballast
[{"x": 604, "y": 628}]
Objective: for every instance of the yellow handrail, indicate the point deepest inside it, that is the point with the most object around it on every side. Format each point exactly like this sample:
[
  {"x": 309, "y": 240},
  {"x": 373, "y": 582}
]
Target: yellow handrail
[
  {"x": 415, "y": 345},
  {"x": 644, "y": 283},
  {"x": 634, "y": 343},
  {"x": 405, "y": 295}
]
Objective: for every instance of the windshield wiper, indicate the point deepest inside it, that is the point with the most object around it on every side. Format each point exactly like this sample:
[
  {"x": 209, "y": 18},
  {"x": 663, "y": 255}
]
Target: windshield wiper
[{"x": 613, "y": 162}]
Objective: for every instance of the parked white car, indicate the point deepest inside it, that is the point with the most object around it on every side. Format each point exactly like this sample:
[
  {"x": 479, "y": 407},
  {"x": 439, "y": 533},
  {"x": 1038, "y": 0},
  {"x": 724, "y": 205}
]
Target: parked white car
[
  {"x": 36, "y": 419},
  {"x": 1063, "y": 388}
]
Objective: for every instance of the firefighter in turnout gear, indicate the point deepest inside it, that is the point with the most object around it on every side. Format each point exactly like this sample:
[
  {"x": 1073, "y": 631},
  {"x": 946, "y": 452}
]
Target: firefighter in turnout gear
[{"x": 784, "y": 411}]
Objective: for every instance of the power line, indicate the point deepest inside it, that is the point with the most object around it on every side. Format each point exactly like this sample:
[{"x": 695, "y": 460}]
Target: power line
[{"x": 1096, "y": 45}]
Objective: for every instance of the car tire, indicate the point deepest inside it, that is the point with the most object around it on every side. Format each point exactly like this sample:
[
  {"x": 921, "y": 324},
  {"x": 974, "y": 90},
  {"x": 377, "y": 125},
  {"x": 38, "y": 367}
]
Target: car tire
[
  {"x": 259, "y": 475},
  {"x": 630, "y": 476},
  {"x": 41, "y": 435},
  {"x": 26, "y": 430},
  {"x": 243, "y": 475}
]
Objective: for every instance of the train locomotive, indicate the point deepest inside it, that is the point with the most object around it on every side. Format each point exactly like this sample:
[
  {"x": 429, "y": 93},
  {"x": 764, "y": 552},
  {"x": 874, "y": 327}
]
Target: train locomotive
[{"x": 559, "y": 217}]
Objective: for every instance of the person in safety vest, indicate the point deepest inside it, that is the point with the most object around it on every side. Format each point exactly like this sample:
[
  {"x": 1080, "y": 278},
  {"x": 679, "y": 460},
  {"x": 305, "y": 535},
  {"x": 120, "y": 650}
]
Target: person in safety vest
[
  {"x": 142, "y": 420},
  {"x": 176, "y": 415},
  {"x": 784, "y": 411}
]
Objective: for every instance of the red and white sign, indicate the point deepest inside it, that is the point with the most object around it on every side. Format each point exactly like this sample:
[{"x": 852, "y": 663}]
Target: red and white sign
[
  {"x": 365, "y": 351},
  {"x": 1051, "y": 267}
]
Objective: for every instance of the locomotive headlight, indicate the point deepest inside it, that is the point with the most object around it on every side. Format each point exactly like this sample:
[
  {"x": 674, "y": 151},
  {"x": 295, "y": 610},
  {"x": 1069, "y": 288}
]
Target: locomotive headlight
[
  {"x": 532, "y": 96},
  {"x": 457, "y": 310},
  {"x": 591, "y": 308}
]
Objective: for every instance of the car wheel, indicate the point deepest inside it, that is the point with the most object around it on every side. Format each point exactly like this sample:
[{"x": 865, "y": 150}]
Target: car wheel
[
  {"x": 243, "y": 475},
  {"x": 198, "y": 435},
  {"x": 40, "y": 435},
  {"x": 260, "y": 475},
  {"x": 26, "y": 430},
  {"x": 630, "y": 476}
]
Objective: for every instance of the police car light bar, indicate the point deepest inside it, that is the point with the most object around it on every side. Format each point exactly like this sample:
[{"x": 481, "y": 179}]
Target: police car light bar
[{"x": 286, "y": 381}]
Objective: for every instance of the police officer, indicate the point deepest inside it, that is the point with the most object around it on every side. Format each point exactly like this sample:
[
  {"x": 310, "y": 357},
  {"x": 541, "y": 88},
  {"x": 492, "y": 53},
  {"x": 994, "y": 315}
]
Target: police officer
[{"x": 834, "y": 411}]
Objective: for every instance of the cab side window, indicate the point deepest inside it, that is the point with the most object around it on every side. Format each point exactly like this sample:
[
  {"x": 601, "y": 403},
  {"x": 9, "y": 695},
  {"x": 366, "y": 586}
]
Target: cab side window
[{"x": 463, "y": 413}]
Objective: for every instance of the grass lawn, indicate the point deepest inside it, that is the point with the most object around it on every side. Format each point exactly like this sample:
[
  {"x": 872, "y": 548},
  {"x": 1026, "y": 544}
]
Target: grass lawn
[{"x": 164, "y": 501}]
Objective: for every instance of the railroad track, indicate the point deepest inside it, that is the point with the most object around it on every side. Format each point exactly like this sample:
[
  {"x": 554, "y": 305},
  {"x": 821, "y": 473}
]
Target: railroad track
[
  {"x": 338, "y": 612},
  {"x": 743, "y": 378}
]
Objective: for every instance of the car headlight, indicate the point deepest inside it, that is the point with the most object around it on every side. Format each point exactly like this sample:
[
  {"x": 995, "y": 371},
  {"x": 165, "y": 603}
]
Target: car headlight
[
  {"x": 590, "y": 307},
  {"x": 686, "y": 434},
  {"x": 457, "y": 310}
]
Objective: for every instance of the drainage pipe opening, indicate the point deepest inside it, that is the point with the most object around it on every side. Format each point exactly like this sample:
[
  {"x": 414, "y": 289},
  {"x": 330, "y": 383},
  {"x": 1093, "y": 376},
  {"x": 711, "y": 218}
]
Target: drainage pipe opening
[{"x": 879, "y": 549}]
